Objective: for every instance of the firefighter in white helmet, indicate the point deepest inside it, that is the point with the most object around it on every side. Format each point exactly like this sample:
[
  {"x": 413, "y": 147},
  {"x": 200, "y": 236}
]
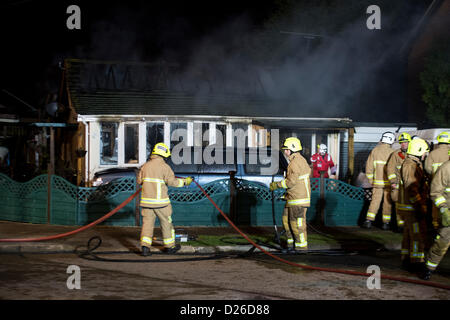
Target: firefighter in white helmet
[
  {"x": 154, "y": 176},
  {"x": 297, "y": 196},
  {"x": 377, "y": 175},
  {"x": 322, "y": 162}
]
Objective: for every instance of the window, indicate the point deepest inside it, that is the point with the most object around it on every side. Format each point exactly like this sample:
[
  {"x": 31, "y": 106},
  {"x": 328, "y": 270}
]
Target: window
[
  {"x": 131, "y": 143},
  {"x": 181, "y": 128},
  {"x": 155, "y": 134},
  {"x": 108, "y": 142},
  {"x": 305, "y": 140},
  {"x": 264, "y": 161},
  {"x": 221, "y": 134},
  {"x": 205, "y": 134}
]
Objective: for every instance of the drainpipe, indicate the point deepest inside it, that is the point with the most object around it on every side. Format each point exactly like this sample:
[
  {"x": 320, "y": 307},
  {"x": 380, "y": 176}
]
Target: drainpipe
[{"x": 87, "y": 133}]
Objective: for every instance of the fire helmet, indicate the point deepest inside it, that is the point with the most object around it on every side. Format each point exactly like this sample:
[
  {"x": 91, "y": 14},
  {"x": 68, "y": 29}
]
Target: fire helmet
[
  {"x": 293, "y": 144},
  {"x": 418, "y": 147},
  {"x": 388, "y": 137},
  {"x": 323, "y": 148},
  {"x": 404, "y": 137},
  {"x": 161, "y": 149},
  {"x": 443, "y": 137}
]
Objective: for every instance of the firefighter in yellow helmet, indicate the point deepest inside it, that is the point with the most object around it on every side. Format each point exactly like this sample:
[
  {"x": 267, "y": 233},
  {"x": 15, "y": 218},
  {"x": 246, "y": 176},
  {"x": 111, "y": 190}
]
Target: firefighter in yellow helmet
[
  {"x": 297, "y": 196},
  {"x": 440, "y": 196},
  {"x": 434, "y": 160},
  {"x": 154, "y": 176},
  {"x": 393, "y": 166},
  {"x": 377, "y": 175},
  {"x": 412, "y": 203}
]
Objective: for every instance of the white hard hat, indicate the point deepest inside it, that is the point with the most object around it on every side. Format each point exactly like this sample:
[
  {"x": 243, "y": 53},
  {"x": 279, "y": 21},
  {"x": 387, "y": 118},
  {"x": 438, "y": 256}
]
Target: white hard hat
[
  {"x": 323, "y": 148},
  {"x": 388, "y": 137}
]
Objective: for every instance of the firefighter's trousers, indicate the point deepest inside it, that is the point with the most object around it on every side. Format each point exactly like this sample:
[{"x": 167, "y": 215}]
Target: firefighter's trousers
[
  {"x": 164, "y": 215},
  {"x": 294, "y": 223},
  {"x": 398, "y": 213},
  {"x": 439, "y": 248},
  {"x": 414, "y": 237},
  {"x": 380, "y": 195},
  {"x": 435, "y": 217}
]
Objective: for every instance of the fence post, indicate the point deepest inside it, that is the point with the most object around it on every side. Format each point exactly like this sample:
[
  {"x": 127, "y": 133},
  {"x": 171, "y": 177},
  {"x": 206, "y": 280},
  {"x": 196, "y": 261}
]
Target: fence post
[
  {"x": 49, "y": 196},
  {"x": 322, "y": 199},
  {"x": 233, "y": 213}
]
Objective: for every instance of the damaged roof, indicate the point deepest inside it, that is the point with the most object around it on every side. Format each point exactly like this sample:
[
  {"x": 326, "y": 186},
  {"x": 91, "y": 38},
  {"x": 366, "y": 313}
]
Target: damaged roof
[{"x": 131, "y": 88}]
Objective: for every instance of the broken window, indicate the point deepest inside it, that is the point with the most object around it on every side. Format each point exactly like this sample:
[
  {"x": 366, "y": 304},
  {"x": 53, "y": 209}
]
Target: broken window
[
  {"x": 132, "y": 143},
  {"x": 108, "y": 142},
  {"x": 155, "y": 134}
]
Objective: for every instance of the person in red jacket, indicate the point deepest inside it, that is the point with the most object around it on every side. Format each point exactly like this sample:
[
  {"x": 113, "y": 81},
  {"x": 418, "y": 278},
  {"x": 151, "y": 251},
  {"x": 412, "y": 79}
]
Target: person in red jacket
[{"x": 322, "y": 161}]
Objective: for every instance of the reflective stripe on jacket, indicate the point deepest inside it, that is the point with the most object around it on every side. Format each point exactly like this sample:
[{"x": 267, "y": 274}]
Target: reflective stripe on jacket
[
  {"x": 297, "y": 184},
  {"x": 394, "y": 165},
  {"x": 376, "y": 165},
  {"x": 440, "y": 186},
  {"x": 436, "y": 158},
  {"x": 155, "y": 175}
]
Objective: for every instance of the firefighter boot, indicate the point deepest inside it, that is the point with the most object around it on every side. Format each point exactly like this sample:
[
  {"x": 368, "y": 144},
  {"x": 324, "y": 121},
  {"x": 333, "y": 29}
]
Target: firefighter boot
[
  {"x": 367, "y": 224},
  {"x": 146, "y": 251},
  {"x": 385, "y": 226},
  {"x": 173, "y": 249},
  {"x": 288, "y": 250},
  {"x": 426, "y": 273}
]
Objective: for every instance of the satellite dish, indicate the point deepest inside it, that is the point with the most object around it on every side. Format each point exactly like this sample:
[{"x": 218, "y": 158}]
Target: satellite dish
[{"x": 52, "y": 108}]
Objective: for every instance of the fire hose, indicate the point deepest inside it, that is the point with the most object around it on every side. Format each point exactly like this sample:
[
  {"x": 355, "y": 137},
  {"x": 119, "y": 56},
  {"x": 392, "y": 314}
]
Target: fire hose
[{"x": 332, "y": 270}]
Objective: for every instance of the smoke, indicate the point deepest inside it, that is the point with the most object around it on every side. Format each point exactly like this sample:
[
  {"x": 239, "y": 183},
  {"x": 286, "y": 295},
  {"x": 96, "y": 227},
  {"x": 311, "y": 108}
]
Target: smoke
[
  {"x": 345, "y": 70},
  {"x": 317, "y": 59}
]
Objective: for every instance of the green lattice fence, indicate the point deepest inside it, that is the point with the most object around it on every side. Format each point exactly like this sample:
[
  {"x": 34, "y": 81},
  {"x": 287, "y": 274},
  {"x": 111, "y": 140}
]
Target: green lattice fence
[
  {"x": 69, "y": 204},
  {"x": 192, "y": 208},
  {"x": 343, "y": 203},
  {"x": 24, "y": 202},
  {"x": 72, "y": 205}
]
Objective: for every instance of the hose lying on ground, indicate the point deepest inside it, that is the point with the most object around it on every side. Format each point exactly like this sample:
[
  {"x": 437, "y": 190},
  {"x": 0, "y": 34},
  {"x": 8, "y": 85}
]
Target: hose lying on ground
[
  {"x": 130, "y": 198},
  {"x": 356, "y": 273},
  {"x": 89, "y": 254}
]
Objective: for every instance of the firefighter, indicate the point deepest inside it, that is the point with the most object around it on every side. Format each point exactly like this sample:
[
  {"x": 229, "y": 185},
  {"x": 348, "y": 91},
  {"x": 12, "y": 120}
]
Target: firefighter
[
  {"x": 297, "y": 196},
  {"x": 393, "y": 171},
  {"x": 154, "y": 176},
  {"x": 433, "y": 162},
  {"x": 440, "y": 195},
  {"x": 322, "y": 162},
  {"x": 412, "y": 203},
  {"x": 377, "y": 175}
]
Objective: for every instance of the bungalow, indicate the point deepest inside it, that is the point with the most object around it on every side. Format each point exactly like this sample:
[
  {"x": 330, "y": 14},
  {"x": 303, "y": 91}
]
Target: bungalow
[{"x": 123, "y": 108}]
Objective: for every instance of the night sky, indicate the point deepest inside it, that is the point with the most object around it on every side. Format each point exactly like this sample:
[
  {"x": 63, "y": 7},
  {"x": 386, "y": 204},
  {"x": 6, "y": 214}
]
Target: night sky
[{"x": 35, "y": 38}]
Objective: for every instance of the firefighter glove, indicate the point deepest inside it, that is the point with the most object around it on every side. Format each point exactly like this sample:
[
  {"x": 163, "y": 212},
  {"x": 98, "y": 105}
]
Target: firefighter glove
[
  {"x": 445, "y": 216},
  {"x": 188, "y": 180},
  {"x": 273, "y": 186}
]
